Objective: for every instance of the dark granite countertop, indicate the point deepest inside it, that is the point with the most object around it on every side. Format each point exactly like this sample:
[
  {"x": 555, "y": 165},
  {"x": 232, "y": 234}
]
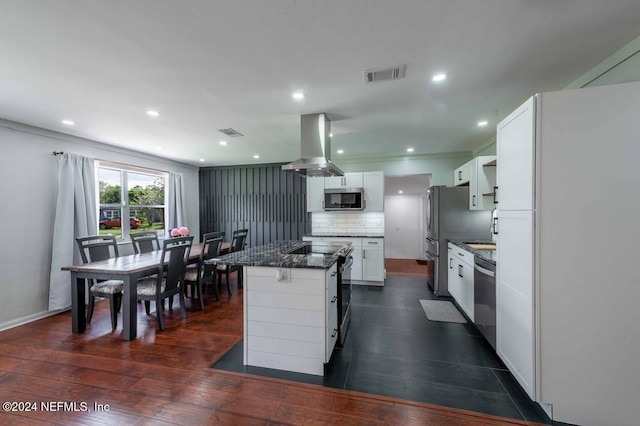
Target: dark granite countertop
[
  {"x": 274, "y": 255},
  {"x": 488, "y": 255}
]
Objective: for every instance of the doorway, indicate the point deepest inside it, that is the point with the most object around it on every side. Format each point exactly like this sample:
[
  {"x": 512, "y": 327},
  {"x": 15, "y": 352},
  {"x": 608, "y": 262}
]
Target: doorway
[{"x": 404, "y": 216}]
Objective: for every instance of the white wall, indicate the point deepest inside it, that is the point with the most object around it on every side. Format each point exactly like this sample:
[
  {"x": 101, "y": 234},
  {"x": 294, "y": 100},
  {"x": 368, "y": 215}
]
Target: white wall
[{"x": 28, "y": 176}]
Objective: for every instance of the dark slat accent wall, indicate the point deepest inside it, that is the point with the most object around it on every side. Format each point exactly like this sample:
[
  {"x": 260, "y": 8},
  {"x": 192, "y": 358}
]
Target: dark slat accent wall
[{"x": 270, "y": 203}]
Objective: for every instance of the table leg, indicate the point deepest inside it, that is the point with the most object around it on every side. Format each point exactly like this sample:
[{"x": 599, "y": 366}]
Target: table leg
[
  {"x": 129, "y": 308},
  {"x": 78, "y": 317}
]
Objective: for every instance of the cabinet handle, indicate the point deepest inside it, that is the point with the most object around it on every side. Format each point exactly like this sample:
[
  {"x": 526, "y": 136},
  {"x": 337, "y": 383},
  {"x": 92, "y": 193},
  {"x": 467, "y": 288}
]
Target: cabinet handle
[
  {"x": 459, "y": 174},
  {"x": 364, "y": 254},
  {"x": 495, "y": 195},
  {"x": 372, "y": 242},
  {"x": 473, "y": 201},
  {"x": 450, "y": 263},
  {"x": 495, "y": 226},
  {"x": 460, "y": 254},
  {"x": 334, "y": 273},
  {"x": 335, "y": 331},
  {"x": 323, "y": 204},
  {"x": 334, "y": 299},
  {"x": 460, "y": 271}
]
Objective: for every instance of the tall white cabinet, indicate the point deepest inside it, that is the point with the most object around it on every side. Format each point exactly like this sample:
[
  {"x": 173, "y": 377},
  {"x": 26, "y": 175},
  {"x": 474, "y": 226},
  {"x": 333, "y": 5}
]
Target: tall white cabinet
[
  {"x": 567, "y": 276},
  {"x": 514, "y": 277}
]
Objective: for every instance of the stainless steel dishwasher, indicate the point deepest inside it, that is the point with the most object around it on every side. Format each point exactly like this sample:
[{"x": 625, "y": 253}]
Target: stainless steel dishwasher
[{"x": 484, "y": 293}]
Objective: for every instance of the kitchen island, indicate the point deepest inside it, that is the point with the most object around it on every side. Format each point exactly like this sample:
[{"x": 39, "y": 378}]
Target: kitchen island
[{"x": 290, "y": 304}]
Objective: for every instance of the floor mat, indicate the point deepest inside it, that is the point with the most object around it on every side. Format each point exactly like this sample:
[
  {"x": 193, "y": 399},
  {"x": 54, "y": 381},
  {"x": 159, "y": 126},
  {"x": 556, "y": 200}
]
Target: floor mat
[{"x": 442, "y": 310}]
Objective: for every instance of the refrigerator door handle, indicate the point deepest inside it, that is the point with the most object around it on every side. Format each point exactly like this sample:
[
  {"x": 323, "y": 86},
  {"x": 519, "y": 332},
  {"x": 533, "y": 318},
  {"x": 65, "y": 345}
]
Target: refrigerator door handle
[
  {"x": 495, "y": 195},
  {"x": 495, "y": 226}
]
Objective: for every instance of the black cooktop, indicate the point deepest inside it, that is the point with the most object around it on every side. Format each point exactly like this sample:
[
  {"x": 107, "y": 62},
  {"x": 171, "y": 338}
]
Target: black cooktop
[{"x": 315, "y": 248}]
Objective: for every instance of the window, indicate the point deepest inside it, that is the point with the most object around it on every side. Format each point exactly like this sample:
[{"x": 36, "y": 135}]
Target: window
[{"x": 128, "y": 192}]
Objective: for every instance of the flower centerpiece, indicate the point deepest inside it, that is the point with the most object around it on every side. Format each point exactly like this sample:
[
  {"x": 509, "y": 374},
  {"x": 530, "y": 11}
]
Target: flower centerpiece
[{"x": 182, "y": 231}]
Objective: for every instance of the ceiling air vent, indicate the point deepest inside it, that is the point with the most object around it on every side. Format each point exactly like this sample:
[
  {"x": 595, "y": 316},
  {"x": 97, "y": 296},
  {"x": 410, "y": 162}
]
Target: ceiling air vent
[
  {"x": 384, "y": 74},
  {"x": 230, "y": 132}
]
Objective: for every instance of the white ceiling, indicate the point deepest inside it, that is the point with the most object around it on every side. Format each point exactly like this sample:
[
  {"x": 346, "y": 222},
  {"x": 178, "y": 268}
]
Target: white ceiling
[{"x": 207, "y": 65}]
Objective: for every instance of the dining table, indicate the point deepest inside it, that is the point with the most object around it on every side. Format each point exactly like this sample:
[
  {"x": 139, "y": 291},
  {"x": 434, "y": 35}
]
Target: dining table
[{"x": 128, "y": 269}]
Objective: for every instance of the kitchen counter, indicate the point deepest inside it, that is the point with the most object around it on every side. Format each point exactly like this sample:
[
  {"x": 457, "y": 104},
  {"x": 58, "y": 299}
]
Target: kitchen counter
[
  {"x": 274, "y": 255},
  {"x": 488, "y": 255}
]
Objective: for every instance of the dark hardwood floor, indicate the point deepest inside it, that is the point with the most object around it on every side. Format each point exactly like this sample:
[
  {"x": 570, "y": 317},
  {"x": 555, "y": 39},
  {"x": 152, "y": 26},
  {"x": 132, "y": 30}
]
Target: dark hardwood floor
[{"x": 165, "y": 378}]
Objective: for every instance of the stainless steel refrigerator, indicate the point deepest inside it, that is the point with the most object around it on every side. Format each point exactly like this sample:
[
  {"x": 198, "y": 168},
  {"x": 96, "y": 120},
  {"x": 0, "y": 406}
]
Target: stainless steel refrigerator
[{"x": 449, "y": 217}]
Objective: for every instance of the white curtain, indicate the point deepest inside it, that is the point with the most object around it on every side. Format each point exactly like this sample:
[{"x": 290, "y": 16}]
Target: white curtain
[
  {"x": 177, "y": 214},
  {"x": 75, "y": 216}
]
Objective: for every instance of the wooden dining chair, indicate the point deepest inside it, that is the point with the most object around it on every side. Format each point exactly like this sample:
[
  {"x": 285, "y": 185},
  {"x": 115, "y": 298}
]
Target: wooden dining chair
[
  {"x": 175, "y": 251},
  {"x": 144, "y": 242},
  {"x": 199, "y": 275},
  {"x": 95, "y": 248},
  {"x": 238, "y": 239}
]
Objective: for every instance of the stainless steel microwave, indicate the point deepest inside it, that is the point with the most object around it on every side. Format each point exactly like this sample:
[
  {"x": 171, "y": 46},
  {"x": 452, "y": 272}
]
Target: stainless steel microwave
[{"x": 344, "y": 199}]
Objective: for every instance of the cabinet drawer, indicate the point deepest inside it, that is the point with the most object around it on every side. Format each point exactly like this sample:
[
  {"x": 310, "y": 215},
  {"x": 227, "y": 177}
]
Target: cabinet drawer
[
  {"x": 372, "y": 242},
  {"x": 332, "y": 336},
  {"x": 463, "y": 255}
]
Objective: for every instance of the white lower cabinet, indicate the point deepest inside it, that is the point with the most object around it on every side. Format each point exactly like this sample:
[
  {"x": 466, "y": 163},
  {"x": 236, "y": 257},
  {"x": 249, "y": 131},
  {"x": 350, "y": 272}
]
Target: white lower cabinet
[
  {"x": 453, "y": 280},
  {"x": 368, "y": 258},
  {"x": 291, "y": 318},
  {"x": 373, "y": 259},
  {"x": 460, "y": 276}
]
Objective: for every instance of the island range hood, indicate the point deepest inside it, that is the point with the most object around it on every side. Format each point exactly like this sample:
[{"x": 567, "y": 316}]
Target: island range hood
[{"x": 316, "y": 148}]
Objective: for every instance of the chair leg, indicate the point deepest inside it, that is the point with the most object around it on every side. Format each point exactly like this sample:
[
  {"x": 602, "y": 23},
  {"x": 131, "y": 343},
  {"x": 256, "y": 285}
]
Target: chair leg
[
  {"x": 147, "y": 307},
  {"x": 113, "y": 305},
  {"x": 216, "y": 283},
  {"x": 92, "y": 302},
  {"x": 227, "y": 278},
  {"x": 239, "y": 272},
  {"x": 159, "y": 314},
  {"x": 182, "y": 307},
  {"x": 199, "y": 288}
]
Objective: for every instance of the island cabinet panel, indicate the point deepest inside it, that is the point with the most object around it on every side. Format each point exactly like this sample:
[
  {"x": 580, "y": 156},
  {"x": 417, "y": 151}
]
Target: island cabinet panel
[
  {"x": 286, "y": 316},
  {"x": 291, "y": 318},
  {"x": 295, "y": 332}
]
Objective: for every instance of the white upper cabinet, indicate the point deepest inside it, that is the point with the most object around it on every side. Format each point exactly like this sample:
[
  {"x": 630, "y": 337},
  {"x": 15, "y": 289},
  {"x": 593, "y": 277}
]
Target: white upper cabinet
[
  {"x": 515, "y": 176},
  {"x": 482, "y": 182},
  {"x": 373, "y": 191},
  {"x": 480, "y": 175},
  {"x": 315, "y": 194},
  {"x": 461, "y": 175},
  {"x": 349, "y": 180}
]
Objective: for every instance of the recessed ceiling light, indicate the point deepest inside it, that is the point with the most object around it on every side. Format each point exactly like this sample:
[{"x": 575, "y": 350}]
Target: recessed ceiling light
[
  {"x": 400, "y": 192},
  {"x": 340, "y": 151},
  {"x": 68, "y": 122},
  {"x": 152, "y": 113},
  {"x": 330, "y": 135},
  {"x": 202, "y": 160},
  {"x": 298, "y": 96},
  {"x": 256, "y": 156},
  {"x": 158, "y": 148},
  {"x": 409, "y": 149},
  {"x": 482, "y": 123},
  {"x": 439, "y": 77},
  {"x": 223, "y": 143}
]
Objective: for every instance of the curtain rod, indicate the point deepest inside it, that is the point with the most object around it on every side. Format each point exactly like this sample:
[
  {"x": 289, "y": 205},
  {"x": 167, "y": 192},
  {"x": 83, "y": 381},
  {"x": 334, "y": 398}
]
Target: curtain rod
[{"x": 130, "y": 166}]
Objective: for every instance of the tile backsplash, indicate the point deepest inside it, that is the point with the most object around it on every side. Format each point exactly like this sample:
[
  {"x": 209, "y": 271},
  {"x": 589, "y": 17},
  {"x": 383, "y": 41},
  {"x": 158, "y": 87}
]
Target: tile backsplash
[{"x": 347, "y": 223}]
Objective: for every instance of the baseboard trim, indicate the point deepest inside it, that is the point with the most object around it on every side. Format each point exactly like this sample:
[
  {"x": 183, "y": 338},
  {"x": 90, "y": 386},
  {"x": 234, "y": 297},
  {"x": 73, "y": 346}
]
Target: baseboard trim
[{"x": 30, "y": 318}]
